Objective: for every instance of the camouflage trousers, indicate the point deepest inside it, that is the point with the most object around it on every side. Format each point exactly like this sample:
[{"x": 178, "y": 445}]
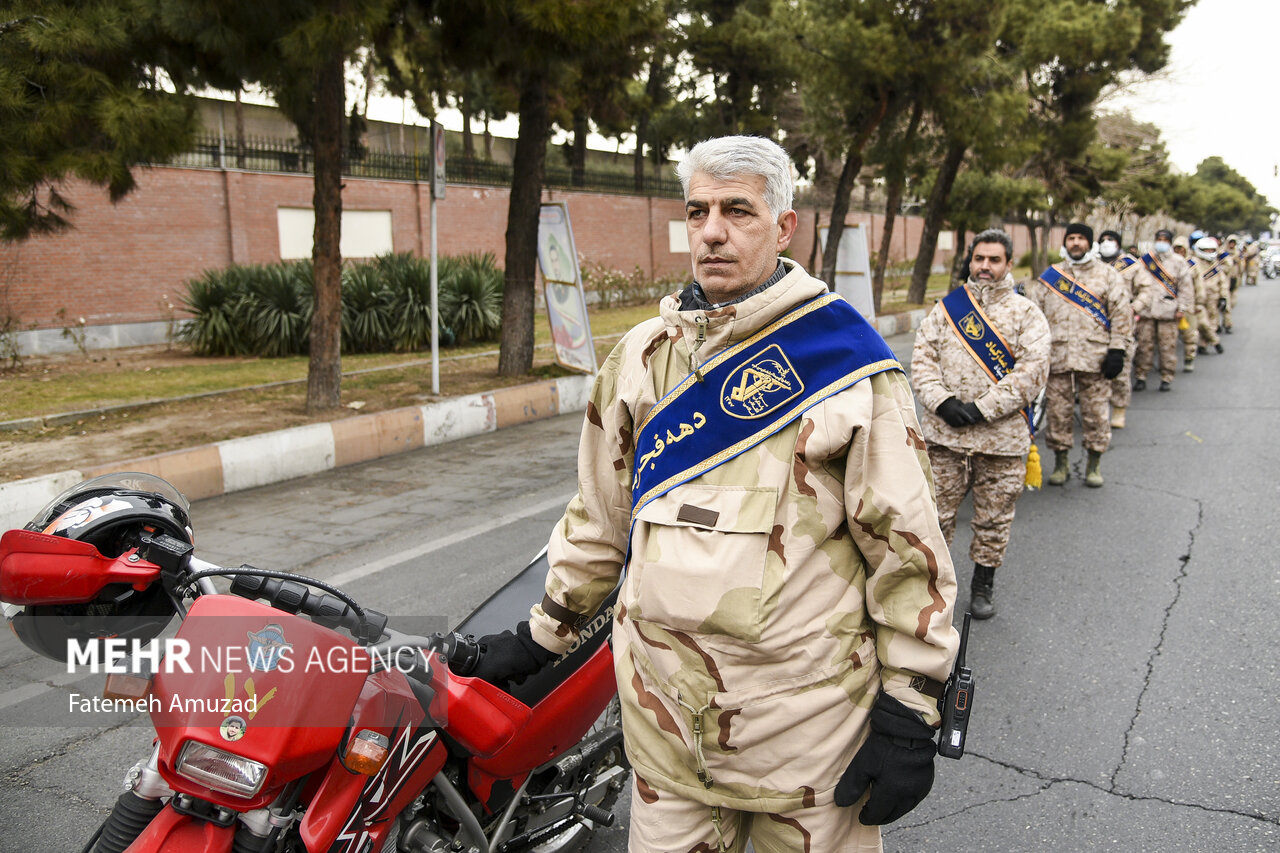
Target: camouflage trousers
[
  {"x": 1207, "y": 318},
  {"x": 1094, "y": 393},
  {"x": 1226, "y": 314},
  {"x": 996, "y": 483},
  {"x": 1150, "y": 333},
  {"x": 1190, "y": 336},
  {"x": 1122, "y": 385},
  {"x": 668, "y": 823}
]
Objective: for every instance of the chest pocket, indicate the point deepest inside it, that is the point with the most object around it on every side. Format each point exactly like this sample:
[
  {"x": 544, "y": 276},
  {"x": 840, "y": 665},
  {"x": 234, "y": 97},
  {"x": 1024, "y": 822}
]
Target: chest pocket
[{"x": 698, "y": 559}]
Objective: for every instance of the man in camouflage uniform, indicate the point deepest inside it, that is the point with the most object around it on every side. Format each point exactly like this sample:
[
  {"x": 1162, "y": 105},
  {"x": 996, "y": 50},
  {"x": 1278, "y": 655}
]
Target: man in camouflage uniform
[
  {"x": 1122, "y": 385},
  {"x": 1230, "y": 265},
  {"x": 1159, "y": 310},
  {"x": 784, "y": 625},
  {"x": 1252, "y": 256},
  {"x": 974, "y": 424},
  {"x": 1216, "y": 293},
  {"x": 1087, "y": 352},
  {"x": 1189, "y": 326}
]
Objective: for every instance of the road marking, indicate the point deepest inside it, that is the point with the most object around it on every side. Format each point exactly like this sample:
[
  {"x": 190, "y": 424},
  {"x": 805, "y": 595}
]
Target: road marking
[
  {"x": 12, "y": 697},
  {"x": 1196, "y": 437},
  {"x": 489, "y": 526}
]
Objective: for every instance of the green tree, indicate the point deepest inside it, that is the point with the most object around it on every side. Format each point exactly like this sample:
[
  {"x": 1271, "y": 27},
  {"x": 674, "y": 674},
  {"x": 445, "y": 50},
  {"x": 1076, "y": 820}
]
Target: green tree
[
  {"x": 297, "y": 50},
  {"x": 535, "y": 46},
  {"x": 80, "y": 96},
  {"x": 1220, "y": 200}
]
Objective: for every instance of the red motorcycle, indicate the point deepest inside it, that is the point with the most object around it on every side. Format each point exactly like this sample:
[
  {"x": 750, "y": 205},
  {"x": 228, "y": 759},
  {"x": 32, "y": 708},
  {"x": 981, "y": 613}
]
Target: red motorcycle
[{"x": 288, "y": 718}]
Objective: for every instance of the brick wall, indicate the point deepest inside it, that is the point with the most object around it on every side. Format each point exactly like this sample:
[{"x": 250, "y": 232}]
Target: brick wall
[{"x": 121, "y": 263}]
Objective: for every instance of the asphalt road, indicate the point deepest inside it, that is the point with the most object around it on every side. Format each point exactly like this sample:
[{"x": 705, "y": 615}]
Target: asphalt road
[{"x": 1125, "y": 691}]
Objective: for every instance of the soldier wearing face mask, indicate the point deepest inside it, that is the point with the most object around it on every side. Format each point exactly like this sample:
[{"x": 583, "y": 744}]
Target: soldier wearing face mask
[
  {"x": 1165, "y": 294},
  {"x": 1090, "y": 320},
  {"x": 1122, "y": 386}
]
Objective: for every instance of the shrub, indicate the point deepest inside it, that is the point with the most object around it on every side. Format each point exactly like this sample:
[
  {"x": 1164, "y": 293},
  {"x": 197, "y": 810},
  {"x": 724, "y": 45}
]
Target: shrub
[
  {"x": 409, "y": 281},
  {"x": 214, "y": 300},
  {"x": 367, "y": 316},
  {"x": 471, "y": 298},
  {"x": 277, "y": 309}
]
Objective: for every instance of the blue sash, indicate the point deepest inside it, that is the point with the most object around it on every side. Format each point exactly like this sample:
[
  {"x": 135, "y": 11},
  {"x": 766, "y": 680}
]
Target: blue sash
[
  {"x": 1079, "y": 296},
  {"x": 980, "y": 338},
  {"x": 752, "y": 390},
  {"x": 1160, "y": 275},
  {"x": 1123, "y": 263}
]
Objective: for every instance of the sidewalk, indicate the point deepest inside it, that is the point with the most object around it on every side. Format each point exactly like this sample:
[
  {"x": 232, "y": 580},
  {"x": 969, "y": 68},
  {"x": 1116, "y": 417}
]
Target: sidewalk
[{"x": 245, "y": 463}]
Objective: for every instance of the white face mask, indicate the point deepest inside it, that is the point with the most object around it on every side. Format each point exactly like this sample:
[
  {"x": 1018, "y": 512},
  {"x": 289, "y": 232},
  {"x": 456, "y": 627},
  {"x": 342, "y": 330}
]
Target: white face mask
[
  {"x": 1108, "y": 248},
  {"x": 1163, "y": 248}
]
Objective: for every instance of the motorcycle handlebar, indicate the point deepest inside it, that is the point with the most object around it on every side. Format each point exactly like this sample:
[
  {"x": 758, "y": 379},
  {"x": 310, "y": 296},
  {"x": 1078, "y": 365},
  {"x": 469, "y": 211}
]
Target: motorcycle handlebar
[{"x": 293, "y": 596}]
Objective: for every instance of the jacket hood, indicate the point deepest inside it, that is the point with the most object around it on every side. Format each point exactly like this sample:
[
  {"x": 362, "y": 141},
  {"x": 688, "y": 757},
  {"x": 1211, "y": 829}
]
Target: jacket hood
[{"x": 731, "y": 323}]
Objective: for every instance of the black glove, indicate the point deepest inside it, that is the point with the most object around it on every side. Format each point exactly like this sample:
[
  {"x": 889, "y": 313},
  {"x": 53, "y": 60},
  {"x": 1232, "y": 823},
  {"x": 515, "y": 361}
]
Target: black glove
[
  {"x": 1222, "y": 304},
  {"x": 1113, "y": 363},
  {"x": 510, "y": 656},
  {"x": 954, "y": 413},
  {"x": 896, "y": 761},
  {"x": 973, "y": 413}
]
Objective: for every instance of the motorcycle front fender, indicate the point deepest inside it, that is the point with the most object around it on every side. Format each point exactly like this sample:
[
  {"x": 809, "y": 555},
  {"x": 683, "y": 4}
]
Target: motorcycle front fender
[{"x": 172, "y": 832}]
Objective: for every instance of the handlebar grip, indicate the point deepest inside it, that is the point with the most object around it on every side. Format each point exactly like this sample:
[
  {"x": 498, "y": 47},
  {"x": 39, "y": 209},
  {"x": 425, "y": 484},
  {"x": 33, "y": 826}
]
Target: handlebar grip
[{"x": 461, "y": 651}]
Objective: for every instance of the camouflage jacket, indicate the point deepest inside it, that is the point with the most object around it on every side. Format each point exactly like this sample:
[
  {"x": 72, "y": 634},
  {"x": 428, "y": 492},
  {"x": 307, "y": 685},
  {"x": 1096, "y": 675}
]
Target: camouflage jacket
[
  {"x": 942, "y": 366},
  {"x": 1215, "y": 286},
  {"x": 1197, "y": 268},
  {"x": 1080, "y": 342},
  {"x": 767, "y": 601},
  {"x": 1152, "y": 299}
]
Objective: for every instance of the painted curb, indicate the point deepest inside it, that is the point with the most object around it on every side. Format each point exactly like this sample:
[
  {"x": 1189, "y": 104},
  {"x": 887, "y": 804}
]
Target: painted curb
[{"x": 259, "y": 460}]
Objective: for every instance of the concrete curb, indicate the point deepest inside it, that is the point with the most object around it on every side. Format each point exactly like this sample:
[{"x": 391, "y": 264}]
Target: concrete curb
[{"x": 259, "y": 460}]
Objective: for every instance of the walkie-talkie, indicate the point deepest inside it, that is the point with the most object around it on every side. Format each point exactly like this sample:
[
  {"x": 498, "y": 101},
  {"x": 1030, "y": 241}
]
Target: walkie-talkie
[{"x": 958, "y": 700}]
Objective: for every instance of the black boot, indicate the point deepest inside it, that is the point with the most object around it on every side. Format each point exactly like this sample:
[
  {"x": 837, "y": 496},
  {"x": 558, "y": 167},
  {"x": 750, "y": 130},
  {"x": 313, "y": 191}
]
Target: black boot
[{"x": 982, "y": 591}]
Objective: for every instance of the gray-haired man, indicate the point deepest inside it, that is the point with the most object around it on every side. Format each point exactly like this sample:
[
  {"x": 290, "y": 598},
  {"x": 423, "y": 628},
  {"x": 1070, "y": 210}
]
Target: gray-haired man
[{"x": 784, "y": 626}]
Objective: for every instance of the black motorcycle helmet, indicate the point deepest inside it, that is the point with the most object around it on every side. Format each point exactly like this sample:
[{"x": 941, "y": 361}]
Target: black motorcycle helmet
[{"x": 111, "y": 513}]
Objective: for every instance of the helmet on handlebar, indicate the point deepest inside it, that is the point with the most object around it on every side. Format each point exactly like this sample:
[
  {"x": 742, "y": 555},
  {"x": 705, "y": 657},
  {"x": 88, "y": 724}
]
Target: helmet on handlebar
[{"x": 111, "y": 513}]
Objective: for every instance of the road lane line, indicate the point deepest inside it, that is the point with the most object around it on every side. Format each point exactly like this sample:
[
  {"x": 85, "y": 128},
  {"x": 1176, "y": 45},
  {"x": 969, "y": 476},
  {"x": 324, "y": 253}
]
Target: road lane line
[{"x": 489, "y": 526}]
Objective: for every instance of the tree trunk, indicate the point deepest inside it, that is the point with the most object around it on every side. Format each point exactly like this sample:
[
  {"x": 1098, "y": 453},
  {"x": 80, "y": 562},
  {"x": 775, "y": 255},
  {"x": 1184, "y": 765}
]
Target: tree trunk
[
  {"x": 578, "y": 168},
  {"x": 897, "y": 181},
  {"x": 1035, "y": 245},
  {"x": 893, "y": 200},
  {"x": 324, "y": 374},
  {"x": 468, "y": 139},
  {"x": 642, "y": 130},
  {"x": 934, "y": 217},
  {"x": 240, "y": 143},
  {"x": 515, "y": 357},
  {"x": 840, "y": 207},
  {"x": 958, "y": 264}
]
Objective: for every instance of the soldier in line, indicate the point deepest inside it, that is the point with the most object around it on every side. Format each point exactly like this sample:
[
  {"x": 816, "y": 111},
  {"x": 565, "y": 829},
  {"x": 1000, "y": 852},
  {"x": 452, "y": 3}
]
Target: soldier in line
[
  {"x": 1216, "y": 293},
  {"x": 1090, "y": 318},
  {"x": 1122, "y": 385},
  {"x": 1165, "y": 294},
  {"x": 1189, "y": 325},
  {"x": 1252, "y": 260},
  {"x": 784, "y": 627},
  {"x": 975, "y": 419},
  {"x": 1230, "y": 265}
]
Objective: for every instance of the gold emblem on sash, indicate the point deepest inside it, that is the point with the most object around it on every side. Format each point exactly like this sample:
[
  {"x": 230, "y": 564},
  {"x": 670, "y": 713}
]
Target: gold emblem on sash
[
  {"x": 760, "y": 385},
  {"x": 972, "y": 326}
]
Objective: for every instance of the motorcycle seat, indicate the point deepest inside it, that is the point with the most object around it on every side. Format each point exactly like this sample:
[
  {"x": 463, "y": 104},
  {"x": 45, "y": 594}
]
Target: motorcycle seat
[{"x": 510, "y": 605}]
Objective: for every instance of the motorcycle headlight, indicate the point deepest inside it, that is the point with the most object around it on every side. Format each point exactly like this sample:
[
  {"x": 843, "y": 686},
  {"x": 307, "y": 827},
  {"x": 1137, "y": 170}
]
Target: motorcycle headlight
[{"x": 220, "y": 770}]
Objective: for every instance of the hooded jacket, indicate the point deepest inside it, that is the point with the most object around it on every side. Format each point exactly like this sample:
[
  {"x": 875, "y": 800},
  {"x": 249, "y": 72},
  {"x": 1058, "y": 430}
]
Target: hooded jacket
[{"x": 768, "y": 600}]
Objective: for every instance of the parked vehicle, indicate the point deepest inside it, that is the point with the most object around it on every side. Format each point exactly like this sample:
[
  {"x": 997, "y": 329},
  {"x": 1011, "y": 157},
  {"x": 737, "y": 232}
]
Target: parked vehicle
[
  {"x": 384, "y": 744},
  {"x": 1271, "y": 262}
]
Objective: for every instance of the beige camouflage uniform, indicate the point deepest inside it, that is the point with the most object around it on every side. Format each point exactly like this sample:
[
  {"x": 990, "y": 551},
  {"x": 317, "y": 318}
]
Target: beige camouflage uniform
[
  {"x": 1216, "y": 287},
  {"x": 988, "y": 457},
  {"x": 1230, "y": 271},
  {"x": 1252, "y": 256},
  {"x": 1122, "y": 385},
  {"x": 1080, "y": 343},
  {"x": 1191, "y": 334},
  {"x": 1157, "y": 312},
  {"x": 767, "y": 601}
]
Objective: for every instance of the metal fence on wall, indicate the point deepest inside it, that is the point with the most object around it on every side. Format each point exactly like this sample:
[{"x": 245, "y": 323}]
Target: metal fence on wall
[{"x": 286, "y": 155}]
